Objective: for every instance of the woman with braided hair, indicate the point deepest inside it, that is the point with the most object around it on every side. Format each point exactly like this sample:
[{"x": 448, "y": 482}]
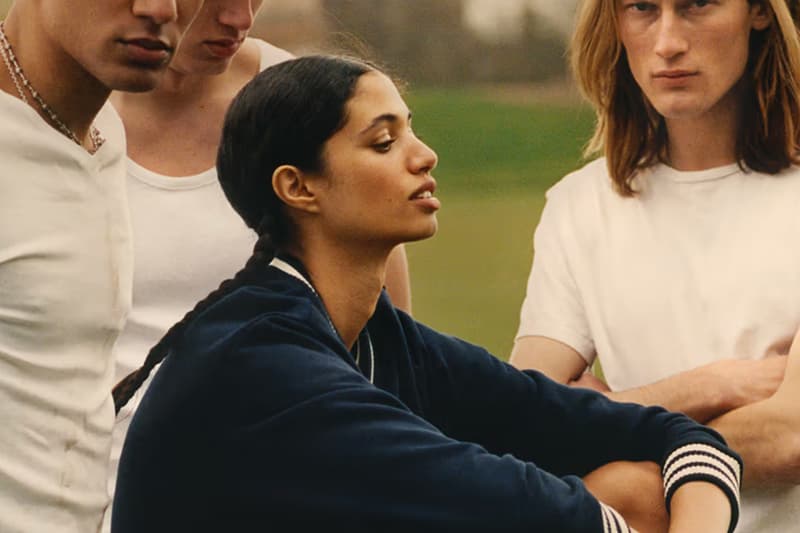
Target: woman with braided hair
[
  {"x": 178, "y": 213},
  {"x": 296, "y": 396}
]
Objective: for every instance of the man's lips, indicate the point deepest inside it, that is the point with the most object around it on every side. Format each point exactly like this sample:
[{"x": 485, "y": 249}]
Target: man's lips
[
  {"x": 674, "y": 79},
  {"x": 148, "y": 51},
  {"x": 224, "y": 48},
  {"x": 674, "y": 74}
]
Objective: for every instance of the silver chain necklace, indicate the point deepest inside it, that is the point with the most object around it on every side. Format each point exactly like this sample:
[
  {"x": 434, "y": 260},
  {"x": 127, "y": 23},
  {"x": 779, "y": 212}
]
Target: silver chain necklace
[{"x": 20, "y": 81}]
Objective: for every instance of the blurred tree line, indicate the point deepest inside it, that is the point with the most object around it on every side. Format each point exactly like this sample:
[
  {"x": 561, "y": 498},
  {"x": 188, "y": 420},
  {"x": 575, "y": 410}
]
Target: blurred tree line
[
  {"x": 430, "y": 42},
  {"x": 424, "y": 41}
]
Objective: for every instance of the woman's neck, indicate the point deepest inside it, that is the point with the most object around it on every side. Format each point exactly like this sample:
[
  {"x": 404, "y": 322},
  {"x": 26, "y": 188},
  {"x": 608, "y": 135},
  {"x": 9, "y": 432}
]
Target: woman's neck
[{"x": 348, "y": 283}]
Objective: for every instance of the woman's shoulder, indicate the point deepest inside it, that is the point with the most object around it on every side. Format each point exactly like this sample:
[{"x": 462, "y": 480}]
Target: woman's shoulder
[
  {"x": 266, "y": 310},
  {"x": 269, "y": 333}
]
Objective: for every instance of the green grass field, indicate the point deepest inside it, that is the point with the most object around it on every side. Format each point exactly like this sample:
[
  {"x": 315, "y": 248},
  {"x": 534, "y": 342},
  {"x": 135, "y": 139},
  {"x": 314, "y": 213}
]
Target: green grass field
[{"x": 496, "y": 160}]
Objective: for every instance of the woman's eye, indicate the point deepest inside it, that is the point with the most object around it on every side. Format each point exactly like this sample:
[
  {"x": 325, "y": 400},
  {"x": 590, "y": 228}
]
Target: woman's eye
[{"x": 384, "y": 146}]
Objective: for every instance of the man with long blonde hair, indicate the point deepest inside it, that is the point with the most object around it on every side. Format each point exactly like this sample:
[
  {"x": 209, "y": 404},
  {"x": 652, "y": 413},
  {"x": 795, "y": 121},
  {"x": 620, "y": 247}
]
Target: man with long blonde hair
[{"x": 670, "y": 259}]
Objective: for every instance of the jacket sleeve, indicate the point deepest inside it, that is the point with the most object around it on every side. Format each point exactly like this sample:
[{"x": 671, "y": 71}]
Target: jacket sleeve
[
  {"x": 566, "y": 430},
  {"x": 329, "y": 447}
]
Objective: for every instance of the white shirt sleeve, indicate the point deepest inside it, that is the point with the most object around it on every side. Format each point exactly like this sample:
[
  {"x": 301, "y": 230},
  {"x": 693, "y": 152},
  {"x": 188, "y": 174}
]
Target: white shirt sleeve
[{"x": 553, "y": 306}]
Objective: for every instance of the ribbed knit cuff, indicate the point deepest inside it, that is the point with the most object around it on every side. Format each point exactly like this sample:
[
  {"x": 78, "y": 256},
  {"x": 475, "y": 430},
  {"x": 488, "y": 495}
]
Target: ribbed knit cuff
[
  {"x": 613, "y": 521},
  {"x": 703, "y": 462}
]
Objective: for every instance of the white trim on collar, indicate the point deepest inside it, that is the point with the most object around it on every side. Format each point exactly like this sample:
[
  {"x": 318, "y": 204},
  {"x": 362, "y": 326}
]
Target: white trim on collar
[{"x": 283, "y": 266}]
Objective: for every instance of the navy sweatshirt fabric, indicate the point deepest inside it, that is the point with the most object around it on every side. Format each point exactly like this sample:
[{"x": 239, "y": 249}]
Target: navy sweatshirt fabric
[{"x": 261, "y": 420}]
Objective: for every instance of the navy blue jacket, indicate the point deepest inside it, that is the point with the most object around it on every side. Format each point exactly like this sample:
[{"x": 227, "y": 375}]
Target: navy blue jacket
[{"x": 261, "y": 420}]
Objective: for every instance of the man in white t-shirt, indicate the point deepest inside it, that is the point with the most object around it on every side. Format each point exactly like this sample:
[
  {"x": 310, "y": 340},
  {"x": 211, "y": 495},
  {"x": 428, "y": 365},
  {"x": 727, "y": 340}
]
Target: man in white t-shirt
[
  {"x": 672, "y": 259},
  {"x": 65, "y": 259}
]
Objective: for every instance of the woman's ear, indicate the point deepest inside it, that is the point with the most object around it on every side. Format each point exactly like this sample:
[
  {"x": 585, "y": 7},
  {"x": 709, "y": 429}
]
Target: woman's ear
[{"x": 293, "y": 187}]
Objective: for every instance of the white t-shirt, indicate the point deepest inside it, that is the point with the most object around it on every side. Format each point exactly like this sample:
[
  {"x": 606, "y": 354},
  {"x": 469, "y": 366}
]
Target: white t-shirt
[
  {"x": 187, "y": 240},
  {"x": 700, "y": 266},
  {"x": 65, "y": 284}
]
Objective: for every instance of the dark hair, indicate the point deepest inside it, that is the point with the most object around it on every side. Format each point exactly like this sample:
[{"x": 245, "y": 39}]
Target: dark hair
[{"x": 283, "y": 116}]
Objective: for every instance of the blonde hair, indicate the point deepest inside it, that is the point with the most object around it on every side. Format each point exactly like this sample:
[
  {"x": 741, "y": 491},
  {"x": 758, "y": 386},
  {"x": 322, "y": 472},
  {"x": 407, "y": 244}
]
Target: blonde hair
[{"x": 632, "y": 135}]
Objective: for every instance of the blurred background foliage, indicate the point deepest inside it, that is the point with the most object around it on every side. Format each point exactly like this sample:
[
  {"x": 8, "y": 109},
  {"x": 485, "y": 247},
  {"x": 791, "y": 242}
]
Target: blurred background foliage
[
  {"x": 488, "y": 85},
  {"x": 496, "y": 160}
]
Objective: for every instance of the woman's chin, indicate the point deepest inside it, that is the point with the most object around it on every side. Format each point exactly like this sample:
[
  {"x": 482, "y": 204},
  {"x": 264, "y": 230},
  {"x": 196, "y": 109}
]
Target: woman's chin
[
  {"x": 419, "y": 232},
  {"x": 427, "y": 232}
]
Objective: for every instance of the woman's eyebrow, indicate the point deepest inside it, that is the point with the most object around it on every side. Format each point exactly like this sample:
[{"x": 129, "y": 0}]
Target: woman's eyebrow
[{"x": 386, "y": 117}]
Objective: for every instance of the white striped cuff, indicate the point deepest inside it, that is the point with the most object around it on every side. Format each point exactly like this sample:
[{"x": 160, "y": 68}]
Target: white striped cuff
[
  {"x": 613, "y": 521},
  {"x": 703, "y": 462}
]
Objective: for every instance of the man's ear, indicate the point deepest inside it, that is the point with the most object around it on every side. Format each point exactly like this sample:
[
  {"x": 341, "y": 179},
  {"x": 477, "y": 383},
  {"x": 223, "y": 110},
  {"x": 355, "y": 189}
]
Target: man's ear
[{"x": 294, "y": 188}]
